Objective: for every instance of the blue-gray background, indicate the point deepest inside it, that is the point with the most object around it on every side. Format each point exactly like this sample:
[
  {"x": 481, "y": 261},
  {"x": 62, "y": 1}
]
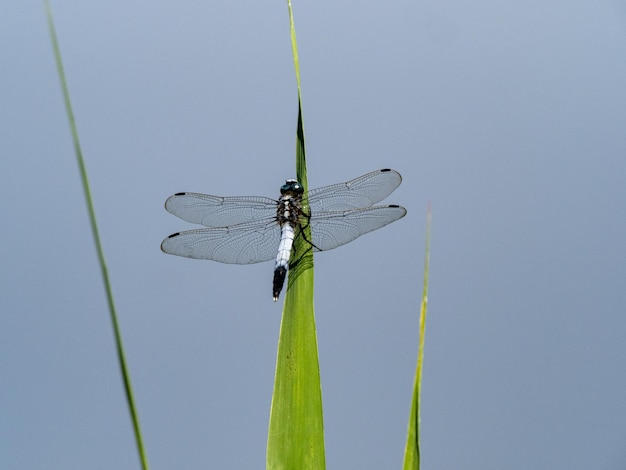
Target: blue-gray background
[{"x": 509, "y": 116}]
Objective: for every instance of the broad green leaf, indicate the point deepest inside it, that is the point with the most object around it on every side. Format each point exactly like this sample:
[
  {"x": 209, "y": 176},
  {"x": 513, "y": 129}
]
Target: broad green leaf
[{"x": 296, "y": 428}]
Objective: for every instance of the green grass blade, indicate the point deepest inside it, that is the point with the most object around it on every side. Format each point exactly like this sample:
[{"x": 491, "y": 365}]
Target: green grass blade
[
  {"x": 412, "y": 450},
  {"x": 296, "y": 428},
  {"x": 96, "y": 237},
  {"x": 296, "y": 60}
]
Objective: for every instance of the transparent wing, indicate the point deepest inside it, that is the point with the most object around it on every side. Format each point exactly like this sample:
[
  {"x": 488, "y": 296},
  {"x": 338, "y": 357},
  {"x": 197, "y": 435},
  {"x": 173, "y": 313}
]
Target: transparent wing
[
  {"x": 215, "y": 211},
  {"x": 360, "y": 192},
  {"x": 331, "y": 229},
  {"x": 246, "y": 243}
]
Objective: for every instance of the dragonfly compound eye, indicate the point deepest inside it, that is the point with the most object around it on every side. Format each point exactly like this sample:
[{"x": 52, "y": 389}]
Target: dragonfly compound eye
[{"x": 291, "y": 186}]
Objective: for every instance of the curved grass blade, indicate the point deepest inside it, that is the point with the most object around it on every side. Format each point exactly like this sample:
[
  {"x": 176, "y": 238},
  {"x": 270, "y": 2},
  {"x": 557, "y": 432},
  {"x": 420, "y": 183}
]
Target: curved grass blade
[
  {"x": 96, "y": 237},
  {"x": 296, "y": 428},
  {"x": 412, "y": 450}
]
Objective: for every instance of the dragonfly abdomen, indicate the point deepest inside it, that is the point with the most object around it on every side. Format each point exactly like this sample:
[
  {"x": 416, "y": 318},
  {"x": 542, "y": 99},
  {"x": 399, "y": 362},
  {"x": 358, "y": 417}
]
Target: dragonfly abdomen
[
  {"x": 287, "y": 215},
  {"x": 282, "y": 259}
]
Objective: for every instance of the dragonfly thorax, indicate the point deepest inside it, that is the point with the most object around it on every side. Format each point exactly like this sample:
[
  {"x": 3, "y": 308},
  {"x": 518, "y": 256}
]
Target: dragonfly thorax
[
  {"x": 289, "y": 209},
  {"x": 290, "y": 203}
]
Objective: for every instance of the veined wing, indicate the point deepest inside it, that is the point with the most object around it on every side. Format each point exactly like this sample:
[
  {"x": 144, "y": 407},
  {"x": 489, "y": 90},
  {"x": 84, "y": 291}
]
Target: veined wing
[
  {"x": 246, "y": 243},
  {"x": 216, "y": 211},
  {"x": 331, "y": 229},
  {"x": 358, "y": 193}
]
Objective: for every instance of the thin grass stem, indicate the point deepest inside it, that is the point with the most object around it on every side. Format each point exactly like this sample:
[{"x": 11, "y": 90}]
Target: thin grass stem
[
  {"x": 412, "y": 449},
  {"x": 96, "y": 237}
]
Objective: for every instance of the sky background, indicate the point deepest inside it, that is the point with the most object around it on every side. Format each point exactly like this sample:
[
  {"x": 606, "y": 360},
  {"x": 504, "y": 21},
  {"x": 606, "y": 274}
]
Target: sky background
[{"x": 510, "y": 117}]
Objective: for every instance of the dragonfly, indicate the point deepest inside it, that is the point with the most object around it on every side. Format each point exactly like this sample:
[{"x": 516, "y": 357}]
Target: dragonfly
[{"x": 253, "y": 229}]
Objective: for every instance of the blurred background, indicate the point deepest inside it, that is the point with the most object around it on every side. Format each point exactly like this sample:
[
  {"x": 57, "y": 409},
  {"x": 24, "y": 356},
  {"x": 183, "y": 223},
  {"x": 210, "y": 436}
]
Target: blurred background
[{"x": 509, "y": 117}]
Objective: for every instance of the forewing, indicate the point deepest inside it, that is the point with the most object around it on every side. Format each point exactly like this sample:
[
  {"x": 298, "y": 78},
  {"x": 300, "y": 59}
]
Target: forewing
[
  {"x": 247, "y": 243},
  {"x": 358, "y": 193},
  {"x": 331, "y": 229},
  {"x": 216, "y": 211}
]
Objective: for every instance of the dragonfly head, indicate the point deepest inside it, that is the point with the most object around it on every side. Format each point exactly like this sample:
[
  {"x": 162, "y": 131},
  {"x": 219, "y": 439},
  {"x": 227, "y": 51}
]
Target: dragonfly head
[{"x": 291, "y": 187}]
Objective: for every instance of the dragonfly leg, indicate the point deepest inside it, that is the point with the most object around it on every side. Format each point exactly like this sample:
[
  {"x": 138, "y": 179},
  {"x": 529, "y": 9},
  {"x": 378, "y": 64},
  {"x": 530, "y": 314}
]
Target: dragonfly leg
[{"x": 301, "y": 231}]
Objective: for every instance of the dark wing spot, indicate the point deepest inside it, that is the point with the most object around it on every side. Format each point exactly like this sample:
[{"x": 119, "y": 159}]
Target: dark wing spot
[
  {"x": 174, "y": 235},
  {"x": 385, "y": 170},
  {"x": 180, "y": 194}
]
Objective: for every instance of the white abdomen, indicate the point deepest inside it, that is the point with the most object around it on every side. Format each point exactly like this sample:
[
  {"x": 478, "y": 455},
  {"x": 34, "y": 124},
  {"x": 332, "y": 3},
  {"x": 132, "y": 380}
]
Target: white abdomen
[{"x": 282, "y": 259}]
